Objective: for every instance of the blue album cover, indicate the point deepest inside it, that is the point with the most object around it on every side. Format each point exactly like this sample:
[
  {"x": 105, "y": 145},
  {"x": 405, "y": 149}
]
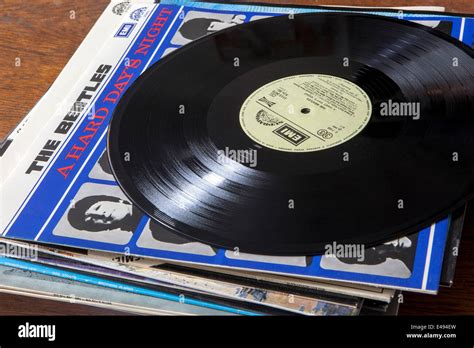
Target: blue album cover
[{"x": 76, "y": 202}]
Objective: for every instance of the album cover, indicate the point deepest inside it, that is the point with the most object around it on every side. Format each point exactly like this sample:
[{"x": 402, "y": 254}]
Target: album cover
[
  {"x": 159, "y": 271},
  {"x": 298, "y": 299},
  {"x": 29, "y": 283},
  {"x": 275, "y": 298},
  {"x": 218, "y": 305},
  {"x": 452, "y": 247},
  {"x": 62, "y": 191}
]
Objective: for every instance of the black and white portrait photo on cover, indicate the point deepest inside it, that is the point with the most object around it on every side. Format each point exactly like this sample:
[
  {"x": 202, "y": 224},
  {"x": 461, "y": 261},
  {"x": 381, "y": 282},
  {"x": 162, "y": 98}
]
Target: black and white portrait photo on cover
[
  {"x": 393, "y": 259},
  {"x": 99, "y": 213},
  {"x": 197, "y": 24},
  {"x": 158, "y": 237}
]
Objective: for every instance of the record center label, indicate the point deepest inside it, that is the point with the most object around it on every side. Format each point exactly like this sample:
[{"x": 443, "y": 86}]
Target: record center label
[{"x": 304, "y": 113}]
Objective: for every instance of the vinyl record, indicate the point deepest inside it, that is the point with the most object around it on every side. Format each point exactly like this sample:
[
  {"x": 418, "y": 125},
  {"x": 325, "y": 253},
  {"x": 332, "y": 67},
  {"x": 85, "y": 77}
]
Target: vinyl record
[{"x": 284, "y": 135}]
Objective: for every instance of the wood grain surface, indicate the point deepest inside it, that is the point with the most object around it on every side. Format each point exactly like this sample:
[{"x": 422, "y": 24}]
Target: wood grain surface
[{"x": 43, "y": 34}]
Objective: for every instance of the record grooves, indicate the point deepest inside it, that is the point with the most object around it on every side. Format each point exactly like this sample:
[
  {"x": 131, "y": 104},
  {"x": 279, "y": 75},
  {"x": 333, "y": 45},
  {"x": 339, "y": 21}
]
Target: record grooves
[{"x": 273, "y": 137}]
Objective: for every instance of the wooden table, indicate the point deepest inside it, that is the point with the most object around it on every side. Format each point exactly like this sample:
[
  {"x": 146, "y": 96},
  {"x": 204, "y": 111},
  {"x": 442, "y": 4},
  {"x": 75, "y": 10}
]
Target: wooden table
[{"x": 44, "y": 34}]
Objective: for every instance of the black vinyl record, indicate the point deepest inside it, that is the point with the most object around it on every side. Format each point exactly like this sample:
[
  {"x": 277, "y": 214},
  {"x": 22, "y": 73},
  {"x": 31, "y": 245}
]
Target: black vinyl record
[{"x": 284, "y": 135}]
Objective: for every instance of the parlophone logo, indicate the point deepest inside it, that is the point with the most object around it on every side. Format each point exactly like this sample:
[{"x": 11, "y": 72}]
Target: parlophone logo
[
  {"x": 121, "y": 8},
  {"x": 266, "y": 119}
]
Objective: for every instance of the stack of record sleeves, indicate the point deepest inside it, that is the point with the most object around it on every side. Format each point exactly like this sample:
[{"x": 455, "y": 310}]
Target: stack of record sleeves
[{"x": 231, "y": 159}]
